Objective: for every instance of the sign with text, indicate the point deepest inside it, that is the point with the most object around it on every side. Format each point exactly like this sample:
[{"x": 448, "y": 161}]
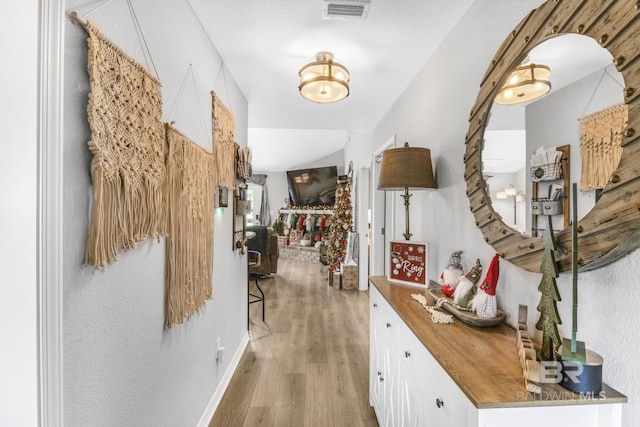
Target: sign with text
[{"x": 408, "y": 263}]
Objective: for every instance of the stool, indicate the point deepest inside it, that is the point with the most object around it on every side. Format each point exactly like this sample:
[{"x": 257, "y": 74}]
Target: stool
[{"x": 255, "y": 258}]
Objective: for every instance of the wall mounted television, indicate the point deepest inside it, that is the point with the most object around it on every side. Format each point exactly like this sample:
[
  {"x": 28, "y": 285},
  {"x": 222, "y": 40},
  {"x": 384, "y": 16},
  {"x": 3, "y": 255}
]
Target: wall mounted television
[{"x": 313, "y": 187}]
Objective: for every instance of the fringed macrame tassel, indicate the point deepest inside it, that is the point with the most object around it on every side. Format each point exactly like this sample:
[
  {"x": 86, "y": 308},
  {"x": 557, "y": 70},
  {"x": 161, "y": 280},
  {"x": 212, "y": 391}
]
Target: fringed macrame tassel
[
  {"x": 189, "y": 248},
  {"x": 103, "y": 237},
  {"x": 601, "y": 145},
  {"x": 223, "y": 143},
  {"x": 128, "y": 147}
]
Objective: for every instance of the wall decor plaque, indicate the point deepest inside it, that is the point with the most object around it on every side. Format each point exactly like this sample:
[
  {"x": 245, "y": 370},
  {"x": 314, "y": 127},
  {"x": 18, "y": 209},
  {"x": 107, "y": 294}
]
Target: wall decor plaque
[{"x": 408, "y": 263}]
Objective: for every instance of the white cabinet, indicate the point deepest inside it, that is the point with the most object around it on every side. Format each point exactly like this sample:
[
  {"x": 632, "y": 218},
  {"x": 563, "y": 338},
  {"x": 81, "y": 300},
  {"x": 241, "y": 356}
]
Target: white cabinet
[
  {"x": 412, "y": 402},
  {"x": 443, "y": 402},
  {"x": 383, "y": 377},
  {"x": 410, "y": 388},
  {"x": 404, "y": 377}
]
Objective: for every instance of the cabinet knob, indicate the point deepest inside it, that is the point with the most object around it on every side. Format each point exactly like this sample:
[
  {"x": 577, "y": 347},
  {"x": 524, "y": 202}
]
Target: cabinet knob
[
  {"x": 407, "y": 353},
  {"x": 381, "y": 379},
  {"x": 388, "y": 325},
  {"x": 375, "y": 305},
  {"x": 439, "y": 403},
  {"x": 379, "y": 373}
]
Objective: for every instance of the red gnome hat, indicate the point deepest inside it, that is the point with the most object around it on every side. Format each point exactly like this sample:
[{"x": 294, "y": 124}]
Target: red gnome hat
[
  {"x": 474, "y": 273},
  {"x": 491, "y": 279}
]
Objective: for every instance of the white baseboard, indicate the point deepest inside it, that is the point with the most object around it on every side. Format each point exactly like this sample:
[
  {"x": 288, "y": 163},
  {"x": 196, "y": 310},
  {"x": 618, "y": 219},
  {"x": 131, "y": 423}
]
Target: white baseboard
[{"x": 205, "y": 419}]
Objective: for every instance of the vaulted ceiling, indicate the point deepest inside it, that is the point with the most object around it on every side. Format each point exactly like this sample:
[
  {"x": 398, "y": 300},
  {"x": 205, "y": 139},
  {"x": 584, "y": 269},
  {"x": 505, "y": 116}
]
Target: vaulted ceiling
[{"x": 264, "y": 43}]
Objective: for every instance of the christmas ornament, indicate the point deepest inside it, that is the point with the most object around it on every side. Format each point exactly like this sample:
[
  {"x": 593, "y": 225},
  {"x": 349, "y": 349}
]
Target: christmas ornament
[
  {"x": 549, "y": 317},
  {"x": 452, "y": 273},
  {"x": 466, "y": 288},
  {"x": 340, "y": 224},
  {"x": 301, "y": 220},
  {"x": 484, "y": 302}
]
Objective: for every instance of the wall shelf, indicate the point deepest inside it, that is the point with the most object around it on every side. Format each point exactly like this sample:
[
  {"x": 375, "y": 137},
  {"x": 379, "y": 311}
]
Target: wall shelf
[{"x": 565, "y": 149}]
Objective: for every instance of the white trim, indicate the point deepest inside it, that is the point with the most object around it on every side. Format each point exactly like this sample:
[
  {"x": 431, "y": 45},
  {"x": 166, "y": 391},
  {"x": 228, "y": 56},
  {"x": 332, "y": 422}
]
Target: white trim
[
  {"x": 363, "y": 193},
  {"x": 50, "y": 208},
  {"x": 205, "y": 419},
  {"x": 379, "y": 208}
]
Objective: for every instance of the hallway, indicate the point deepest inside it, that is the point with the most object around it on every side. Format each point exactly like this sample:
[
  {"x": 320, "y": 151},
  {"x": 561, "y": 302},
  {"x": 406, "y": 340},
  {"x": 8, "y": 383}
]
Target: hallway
[{"x": 307, "y": 365}]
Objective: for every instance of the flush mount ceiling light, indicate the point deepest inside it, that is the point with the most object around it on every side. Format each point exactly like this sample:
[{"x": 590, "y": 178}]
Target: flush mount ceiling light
[
  {"x": 324, "y": 81},
  {"x": 525, "y": 83}
]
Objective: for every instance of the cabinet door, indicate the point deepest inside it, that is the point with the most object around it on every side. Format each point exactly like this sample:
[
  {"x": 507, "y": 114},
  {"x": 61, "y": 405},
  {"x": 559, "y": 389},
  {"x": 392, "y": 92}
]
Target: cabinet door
[
  {"x": 378, "y": 342},
  {"x": 415, "y": 356},
  {"x": 445, "y": 403},
  {"x": 375, "y": 367},
  {"x": 383, "y": 372},
  {"x": 412, "y": 411},
  {"x": 389, "y": 389}
]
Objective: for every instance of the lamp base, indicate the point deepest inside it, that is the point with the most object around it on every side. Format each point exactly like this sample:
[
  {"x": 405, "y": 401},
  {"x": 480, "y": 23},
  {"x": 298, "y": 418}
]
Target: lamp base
[{"x": 406, "y": 196}]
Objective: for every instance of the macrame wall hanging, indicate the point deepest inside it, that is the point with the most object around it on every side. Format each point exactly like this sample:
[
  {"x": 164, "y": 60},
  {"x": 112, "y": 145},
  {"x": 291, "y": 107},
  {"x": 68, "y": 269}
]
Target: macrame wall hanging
[
  {"x": 128, "y": 147},
  {"x": 223, "y": 143},
  {"x": 601, "y": 145},
  {"x": 243, "y": 167},
  {"x": 189, "y": 247}
]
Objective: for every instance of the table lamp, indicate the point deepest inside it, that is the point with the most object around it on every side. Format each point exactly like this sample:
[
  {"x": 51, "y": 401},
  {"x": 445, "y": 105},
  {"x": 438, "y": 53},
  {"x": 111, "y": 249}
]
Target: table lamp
[{"x": 406, "y": 168}]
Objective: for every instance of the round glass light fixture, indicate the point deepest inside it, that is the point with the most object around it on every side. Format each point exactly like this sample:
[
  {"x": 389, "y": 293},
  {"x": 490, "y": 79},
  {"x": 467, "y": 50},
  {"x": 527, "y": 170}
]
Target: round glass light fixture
[
  {"x": 324, "y": 81},
  {"x": 525, "y": 83}
]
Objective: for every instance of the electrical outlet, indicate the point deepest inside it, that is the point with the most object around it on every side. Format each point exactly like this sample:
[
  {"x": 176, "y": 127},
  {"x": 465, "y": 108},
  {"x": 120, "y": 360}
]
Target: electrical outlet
[{"x": 219, "y": 350}]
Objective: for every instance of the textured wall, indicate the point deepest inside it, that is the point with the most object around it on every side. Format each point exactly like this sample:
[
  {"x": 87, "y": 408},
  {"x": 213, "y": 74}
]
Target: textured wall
[
  {"x": 433, "y": 112},
  {"x": 121, "y": 367},
  {"x": 18, "y": 209}
]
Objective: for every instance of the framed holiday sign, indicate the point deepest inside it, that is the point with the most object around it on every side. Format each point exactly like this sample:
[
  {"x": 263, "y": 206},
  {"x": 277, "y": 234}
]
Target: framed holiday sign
[{"x": 408, "y": 263}]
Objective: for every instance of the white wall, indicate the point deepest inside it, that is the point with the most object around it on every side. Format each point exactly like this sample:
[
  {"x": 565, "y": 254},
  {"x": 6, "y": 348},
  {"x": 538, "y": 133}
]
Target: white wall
[
  {"x": 278, "y": 191},
  {"x": 333, "y": 159},
  {"x": 121, "y": 367},
  {"x": 18, "y": 210},
  {"x": 433, "y": 112},
  {"x": 504, "y": 207}
]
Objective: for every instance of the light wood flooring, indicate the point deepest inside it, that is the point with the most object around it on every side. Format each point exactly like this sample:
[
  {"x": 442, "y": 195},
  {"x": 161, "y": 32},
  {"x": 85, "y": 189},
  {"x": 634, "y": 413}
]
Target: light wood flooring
[{"x": 308, "y": 363}]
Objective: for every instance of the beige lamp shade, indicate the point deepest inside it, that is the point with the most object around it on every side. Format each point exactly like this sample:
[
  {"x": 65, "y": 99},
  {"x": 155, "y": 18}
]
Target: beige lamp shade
[{"x": 406, "y": 167}]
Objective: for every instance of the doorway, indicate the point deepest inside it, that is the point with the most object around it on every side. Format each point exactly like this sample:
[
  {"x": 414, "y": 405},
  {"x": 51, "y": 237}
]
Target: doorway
[{"x": 382, "y": 207}]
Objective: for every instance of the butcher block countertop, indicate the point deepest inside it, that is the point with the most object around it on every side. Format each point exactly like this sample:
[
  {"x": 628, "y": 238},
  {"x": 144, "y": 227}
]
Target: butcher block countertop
[{"x": 483, "y": 362}]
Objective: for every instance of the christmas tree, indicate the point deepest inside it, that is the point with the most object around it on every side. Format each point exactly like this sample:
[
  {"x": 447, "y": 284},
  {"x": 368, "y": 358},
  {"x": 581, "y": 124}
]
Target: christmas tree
[
  {"x": 549, "y": 317},
  {"x": 341, "y": 224}
]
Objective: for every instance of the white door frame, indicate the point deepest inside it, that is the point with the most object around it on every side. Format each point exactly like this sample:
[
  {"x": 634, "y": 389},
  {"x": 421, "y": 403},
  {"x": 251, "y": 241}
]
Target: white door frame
[
  {"x": 382, "y": 214},
  {"x": 50, "y": 212},
  {"x": 363, "y": 193}
]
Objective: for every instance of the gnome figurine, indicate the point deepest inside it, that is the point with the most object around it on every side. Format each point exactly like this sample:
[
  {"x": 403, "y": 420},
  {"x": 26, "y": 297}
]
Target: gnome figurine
[
  {"x": 466, "y": 288},
  {"x": 484, "y": 303},
  {"x": 452, "y": 273}
]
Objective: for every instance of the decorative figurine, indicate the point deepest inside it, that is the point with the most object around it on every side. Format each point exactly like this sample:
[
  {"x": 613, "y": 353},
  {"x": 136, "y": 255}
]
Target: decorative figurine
[
  {"x": 484, "y": 302},
  {"x": 452, "y": 274},
  {"x": 466, "y": 288}
]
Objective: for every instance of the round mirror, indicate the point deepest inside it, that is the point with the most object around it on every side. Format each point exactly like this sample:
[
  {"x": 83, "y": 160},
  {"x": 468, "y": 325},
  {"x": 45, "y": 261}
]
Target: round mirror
[
  {"x": 583, "y": 85},
  {"x": 610, "y": 217}
]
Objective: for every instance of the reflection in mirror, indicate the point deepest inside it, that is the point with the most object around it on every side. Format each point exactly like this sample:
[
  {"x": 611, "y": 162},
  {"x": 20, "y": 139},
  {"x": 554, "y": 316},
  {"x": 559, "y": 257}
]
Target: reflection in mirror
[{"x": 584, "y": 81}]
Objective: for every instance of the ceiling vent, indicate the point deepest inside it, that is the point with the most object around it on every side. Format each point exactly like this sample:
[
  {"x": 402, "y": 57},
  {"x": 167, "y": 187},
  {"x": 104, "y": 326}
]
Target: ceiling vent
[{"x": 345, "y": 9}]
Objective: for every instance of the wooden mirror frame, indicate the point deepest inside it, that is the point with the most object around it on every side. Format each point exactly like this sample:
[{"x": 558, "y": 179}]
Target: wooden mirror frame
[{"x": 612, "y": 228}]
